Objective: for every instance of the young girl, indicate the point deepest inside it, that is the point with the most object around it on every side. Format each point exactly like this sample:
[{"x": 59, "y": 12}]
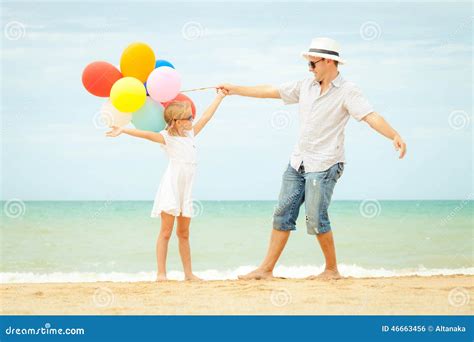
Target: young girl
[{"x": 174, "y": 196}]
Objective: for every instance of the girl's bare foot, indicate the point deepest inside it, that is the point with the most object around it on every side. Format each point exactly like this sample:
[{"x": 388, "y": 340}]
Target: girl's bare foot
[
  {"x": 192, "y": 277},
  {"x": 161, "y": 277},
  {"x": 257, "y": 275},
  {"x": 326, "y": 275}
]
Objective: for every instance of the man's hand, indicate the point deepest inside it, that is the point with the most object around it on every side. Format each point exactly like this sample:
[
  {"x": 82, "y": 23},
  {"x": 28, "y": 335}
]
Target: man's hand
[
  {"x": 378, "y": 123},
  {"x": 228, "y": 88},
  {"x": 221, "y": 92},
  {"x": 400, "y": 145}
]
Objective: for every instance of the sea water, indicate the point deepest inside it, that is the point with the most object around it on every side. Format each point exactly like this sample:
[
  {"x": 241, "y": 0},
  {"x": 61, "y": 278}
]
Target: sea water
[{"x": 79, "y": 241}]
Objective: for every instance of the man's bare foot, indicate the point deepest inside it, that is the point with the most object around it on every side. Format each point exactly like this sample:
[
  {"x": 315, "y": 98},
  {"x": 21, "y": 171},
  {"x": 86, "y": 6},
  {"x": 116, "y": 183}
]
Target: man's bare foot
[
  {"x": 161, "y": 277},
  {"x": 192, "y": 277},
  {"x": 258, "y": 274},
  {"x": 326, "y": 275}
]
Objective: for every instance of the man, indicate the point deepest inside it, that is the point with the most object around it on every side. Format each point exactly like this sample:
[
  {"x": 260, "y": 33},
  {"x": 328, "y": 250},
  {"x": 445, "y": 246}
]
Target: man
[{"x": 326, "y": 102}]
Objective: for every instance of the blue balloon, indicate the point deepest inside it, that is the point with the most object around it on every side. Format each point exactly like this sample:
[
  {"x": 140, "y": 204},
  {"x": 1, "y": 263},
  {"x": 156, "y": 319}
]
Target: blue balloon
[
  {"x": 146, "y": 89},
  {"x": 150, "y": 116},
  {"x": 162, "y": 62}
]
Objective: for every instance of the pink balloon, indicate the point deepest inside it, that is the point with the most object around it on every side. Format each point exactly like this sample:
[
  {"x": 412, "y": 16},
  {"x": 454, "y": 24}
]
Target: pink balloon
[{"x": 163, "y": 84}]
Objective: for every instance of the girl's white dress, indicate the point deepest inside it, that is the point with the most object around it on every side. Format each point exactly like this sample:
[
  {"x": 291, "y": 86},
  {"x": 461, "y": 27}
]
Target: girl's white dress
[{"x": 174, "y": 195}]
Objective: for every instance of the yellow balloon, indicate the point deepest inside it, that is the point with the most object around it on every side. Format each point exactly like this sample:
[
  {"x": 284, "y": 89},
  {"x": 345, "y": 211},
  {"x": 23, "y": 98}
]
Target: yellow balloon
[
  {"x": 138, "y": 60},
  {"x": 128, "y": 94}
]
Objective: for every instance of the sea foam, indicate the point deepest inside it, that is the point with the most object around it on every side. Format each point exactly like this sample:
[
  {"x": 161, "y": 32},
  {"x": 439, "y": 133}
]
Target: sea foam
[{"x": 212, "y": 274}]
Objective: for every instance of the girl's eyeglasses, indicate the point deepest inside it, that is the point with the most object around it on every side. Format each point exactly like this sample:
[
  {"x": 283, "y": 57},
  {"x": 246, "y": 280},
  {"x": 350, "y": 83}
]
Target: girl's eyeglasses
[{"x": 190, "y": 118}]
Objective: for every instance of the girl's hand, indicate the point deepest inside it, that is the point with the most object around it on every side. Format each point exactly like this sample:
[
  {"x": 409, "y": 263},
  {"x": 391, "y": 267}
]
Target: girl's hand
[
  {"x": 116, "y": 131},
  {"x": 221, "y": 93},
  {"x": 229, "y": 88}
]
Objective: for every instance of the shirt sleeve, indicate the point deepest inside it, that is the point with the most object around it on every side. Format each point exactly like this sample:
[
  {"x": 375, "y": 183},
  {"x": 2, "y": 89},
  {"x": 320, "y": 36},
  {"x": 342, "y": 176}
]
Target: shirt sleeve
[
  {"x": 165, "y": 135},
  {"x": 290, "y": 92},
  {"x": 357, "y": 104}
]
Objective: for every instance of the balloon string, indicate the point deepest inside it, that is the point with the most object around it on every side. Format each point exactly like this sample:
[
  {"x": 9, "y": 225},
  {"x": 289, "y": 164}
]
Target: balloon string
[{"x": 196, "y": 89}]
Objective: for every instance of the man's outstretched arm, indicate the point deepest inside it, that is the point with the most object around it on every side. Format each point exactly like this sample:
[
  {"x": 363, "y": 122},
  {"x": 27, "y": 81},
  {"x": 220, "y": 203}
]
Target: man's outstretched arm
[
  {"x": 378, "y": 123},
  {"x": 261, "y": 91}
]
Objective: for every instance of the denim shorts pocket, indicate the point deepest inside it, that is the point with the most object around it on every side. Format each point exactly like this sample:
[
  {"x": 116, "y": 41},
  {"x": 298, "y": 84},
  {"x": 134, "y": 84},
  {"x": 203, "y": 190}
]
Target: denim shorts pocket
[
  {"x": 336, "y": 171},
  {"x": 340, "y": 170}
]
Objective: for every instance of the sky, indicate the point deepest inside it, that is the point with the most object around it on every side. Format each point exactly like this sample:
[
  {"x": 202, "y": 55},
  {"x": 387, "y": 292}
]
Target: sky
[{"x": 413, "y": 62}]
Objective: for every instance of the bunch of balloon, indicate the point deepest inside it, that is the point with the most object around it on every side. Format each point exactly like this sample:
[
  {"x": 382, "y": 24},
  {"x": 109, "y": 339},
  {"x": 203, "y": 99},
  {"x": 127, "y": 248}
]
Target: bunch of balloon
[{"x": 139, "y": 92}]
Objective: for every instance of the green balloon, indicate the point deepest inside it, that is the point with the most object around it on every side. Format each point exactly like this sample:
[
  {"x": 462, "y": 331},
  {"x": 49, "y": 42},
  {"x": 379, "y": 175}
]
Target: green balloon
[{"x": 149, "y": 117}]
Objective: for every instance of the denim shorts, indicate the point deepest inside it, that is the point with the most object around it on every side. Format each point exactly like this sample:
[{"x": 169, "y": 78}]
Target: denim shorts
[{"x": 315, "y": 190}]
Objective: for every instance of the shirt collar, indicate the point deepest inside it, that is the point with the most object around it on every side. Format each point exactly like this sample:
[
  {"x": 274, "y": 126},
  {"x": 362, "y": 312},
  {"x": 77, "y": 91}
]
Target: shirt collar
[{"x": 337, "y": 81}]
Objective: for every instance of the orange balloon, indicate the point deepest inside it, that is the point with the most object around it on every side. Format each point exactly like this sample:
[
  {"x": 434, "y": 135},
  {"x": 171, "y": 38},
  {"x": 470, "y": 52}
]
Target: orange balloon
[
  {"x": 138, "y": 60},
  {"x": 99, "y": 77}
]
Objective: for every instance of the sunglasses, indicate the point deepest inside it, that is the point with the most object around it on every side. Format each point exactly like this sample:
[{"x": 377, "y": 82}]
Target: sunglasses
[
  {"x": 190, "y": 118},
  {"x": 312, "y": 64}
]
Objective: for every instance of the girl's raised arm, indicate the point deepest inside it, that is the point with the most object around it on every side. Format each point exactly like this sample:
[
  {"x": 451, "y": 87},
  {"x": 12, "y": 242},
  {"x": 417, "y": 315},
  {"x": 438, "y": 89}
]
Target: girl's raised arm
[
  {"x": 209, "y": 113},
  {"x": 152, "y": 136}
]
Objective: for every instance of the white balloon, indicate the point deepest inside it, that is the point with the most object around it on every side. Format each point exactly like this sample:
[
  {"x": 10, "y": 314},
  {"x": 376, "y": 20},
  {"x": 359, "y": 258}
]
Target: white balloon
[{"x": 111, "y": 116}]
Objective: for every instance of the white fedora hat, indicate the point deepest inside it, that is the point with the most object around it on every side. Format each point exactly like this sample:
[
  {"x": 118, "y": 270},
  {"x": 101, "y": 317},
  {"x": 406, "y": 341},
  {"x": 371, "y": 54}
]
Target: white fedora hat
[{"x": 324, "y": 48}]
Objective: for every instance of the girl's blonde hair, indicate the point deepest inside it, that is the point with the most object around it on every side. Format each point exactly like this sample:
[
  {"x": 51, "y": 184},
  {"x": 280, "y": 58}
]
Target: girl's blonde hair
[{"x": 176, "y": 110}]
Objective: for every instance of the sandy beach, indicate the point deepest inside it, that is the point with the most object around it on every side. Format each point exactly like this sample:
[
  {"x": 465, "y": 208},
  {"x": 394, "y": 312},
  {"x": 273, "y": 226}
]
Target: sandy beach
[{"x": 414, "y": 295}]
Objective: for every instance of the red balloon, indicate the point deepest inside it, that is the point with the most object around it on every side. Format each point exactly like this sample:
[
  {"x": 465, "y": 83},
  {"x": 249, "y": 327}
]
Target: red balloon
[
  {"x": 99, "y": 77},
  {"x": 183, "y": 98}
]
